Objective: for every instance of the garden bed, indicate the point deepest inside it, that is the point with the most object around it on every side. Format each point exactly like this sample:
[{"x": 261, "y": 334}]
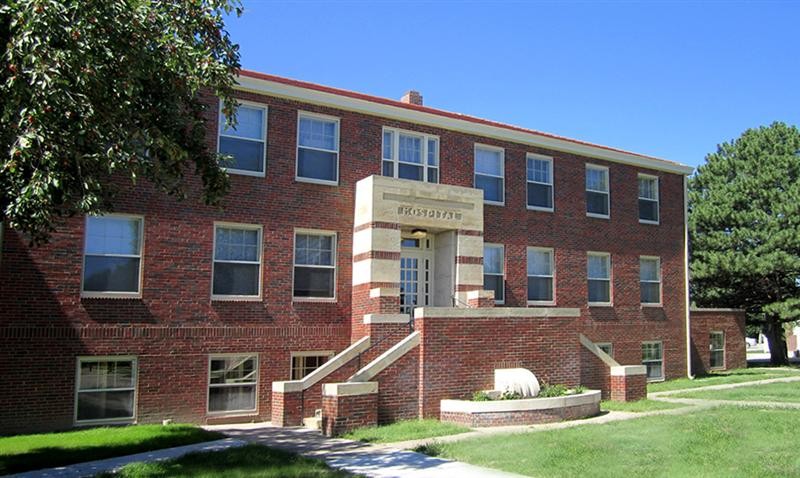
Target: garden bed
[{"x": 526, "y": 411}]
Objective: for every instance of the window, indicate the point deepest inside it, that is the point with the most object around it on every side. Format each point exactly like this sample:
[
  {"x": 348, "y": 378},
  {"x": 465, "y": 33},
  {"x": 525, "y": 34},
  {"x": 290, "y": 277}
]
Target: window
[
  {"x": 232, "y": 383},
  {"x": 493, "y": 266},
  {"x": 112, "y": 260},
  {"x": 597, "y": 204},
  {"x": 650, "y": 280},
  {"x": 540, "y": 276},
  {"x": 648, "y": 199},
  {"x": 607, "y": 348},
  {"x": 237, "y": 261},
  {"x": 314, "y": 265},
  {"x": 246, "y": 142},
  {"x": 717, "y": 348},
  {"x": 489, "y": 173},
  {"x": 598, "y": 272},
  {"x": 303, "y": 363},
  {"x": 106, "y": 389},
  {"x": 318, "y": 148},
  {"x": 653, "y": 359},
  {"x": 540, "y": 182},
  {"x": 410, "y": 156}
]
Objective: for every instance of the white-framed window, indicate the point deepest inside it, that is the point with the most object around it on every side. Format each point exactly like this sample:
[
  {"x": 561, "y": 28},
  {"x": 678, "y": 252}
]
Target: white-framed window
[
  {"x": 540, "y": 182},
  {"x": 232, "y": 383},
  {"x": 409, "y": 155},
  {"x": 303, "y": 363},
  {"x": 489, "y": 173},
  {"x": 650, "y": 280},
  {"x": 237, "y": 261},
  {"x": 606, "y": 347},
  {"x": 717, "y": 349},
  {"x": 541, "y": 274},
  {"x": 597, "y": 195},
  {"x": 598, "y": 273},
  {"x": 493, "y": 270},
  {"x": 246, "y": 143},
  {"x": 105, "y": 389},
  {"x": 653, "y": 359},
  {"x": 314, "y": 264},
  {"x": 317, "y": 148},
  {"x": 648, "y": 199},
  {"x": 112, "y": 256}
]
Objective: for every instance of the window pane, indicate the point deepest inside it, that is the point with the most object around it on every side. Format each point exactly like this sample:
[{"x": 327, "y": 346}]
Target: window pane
[
  {"x": 408, "y": 171},
  {"x": 599, "y": 291},
  {"x": 492, "y": 187},
  {"x": 313, "y": 249},
  {"x": 650, "y": 292},
  {"x": 539, "y": 170},
  {"x": 597, "y": 203},
  {"x": 112, "y": 235},
  {"x": 111, "y": 274},
  {"x": 105, "y": 405},
  {"x": 651, "y": 351},
  {"x": 250, "y": 123},
  {"x": 388, "y": 169},
  {"x": 488, "y": 162},
  {"x": 540, "y": 195},
  {"x": 598, "y": 267},
  {"x": 234, "y": 369},
  {"x": 313, "y": 282},
  {"x": 235, "y": 279},
  {"x": 410, "y": 149},
  {"x": 247, "y": 155},
  {"x": 654, "y": 370},
  {"x": 317, "y": 133},
  {"x": 237, "y": 244},
  {"x": 315, "y": 164},
  {"x": 597, "y": 179},
  {"x": 106, "y": 374},
  {"x": 492, "y": 259},
  {"x": 648, "y": 269},
  {"x": 495, "y": 283},
  {"x": 539, "y": 263},
  {"x": 228, "y": 399},
  {"x": 540, "y": 288},
  {"x": 648, "y": 210},
  {"x": 433, "y": 152},
  {"x": 647, "y": 188},
  {"x": 717, "y": 341},
  {"x": 433, "y": 175},
  {"x": 387, "y": 145}
]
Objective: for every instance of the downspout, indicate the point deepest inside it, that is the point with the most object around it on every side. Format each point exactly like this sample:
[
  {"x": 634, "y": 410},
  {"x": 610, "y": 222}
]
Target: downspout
[{"x": 686, "y": 276}]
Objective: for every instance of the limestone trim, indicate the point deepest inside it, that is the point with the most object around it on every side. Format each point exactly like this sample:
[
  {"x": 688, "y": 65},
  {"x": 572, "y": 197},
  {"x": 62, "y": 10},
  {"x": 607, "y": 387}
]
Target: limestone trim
[
  {"x": 525, "y": 404},
  {"x": 480, "y": 294},
  {"x": 628, "y": 370},
  {"x": 387, "y": 318},
  {"x": 592, "y": 347},
  {"x": 325, "y": 369},
  {"x": 495, "y": 312},
  {"x": 376, "y": 225},
  {"x": 348, "y": 389},
  {"x": 387, "y": 358}
]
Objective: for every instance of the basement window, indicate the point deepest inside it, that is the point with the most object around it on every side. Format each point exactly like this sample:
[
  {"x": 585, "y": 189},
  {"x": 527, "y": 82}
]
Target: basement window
[
  {"x": 232, "y": 383},
  {"x": 303, "y": 363},
  {"x": 106, "y": 390},
  {"x": 717, "y": 348},
  {"x": 653, "y": 359}
]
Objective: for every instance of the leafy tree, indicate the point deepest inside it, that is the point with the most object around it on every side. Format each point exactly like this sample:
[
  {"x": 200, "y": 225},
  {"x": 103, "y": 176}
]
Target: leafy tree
[
  {"x": 98, "y": 92},
  {"x": 745, "y": 230}
]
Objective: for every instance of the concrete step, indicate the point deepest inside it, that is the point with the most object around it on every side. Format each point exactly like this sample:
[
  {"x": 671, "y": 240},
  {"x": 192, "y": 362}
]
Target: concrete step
[{"x": 315, "y": 422}]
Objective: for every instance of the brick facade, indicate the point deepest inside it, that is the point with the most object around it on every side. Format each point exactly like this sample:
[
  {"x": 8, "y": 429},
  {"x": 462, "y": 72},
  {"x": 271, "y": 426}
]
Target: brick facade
[
  {"x": 731, "y": 324},
  {"x": 341, "y": 414}
]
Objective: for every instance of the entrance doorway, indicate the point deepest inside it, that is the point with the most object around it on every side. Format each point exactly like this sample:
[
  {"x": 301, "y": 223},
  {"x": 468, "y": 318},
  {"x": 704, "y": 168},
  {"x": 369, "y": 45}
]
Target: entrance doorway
[{"x": 416, "y": 273}]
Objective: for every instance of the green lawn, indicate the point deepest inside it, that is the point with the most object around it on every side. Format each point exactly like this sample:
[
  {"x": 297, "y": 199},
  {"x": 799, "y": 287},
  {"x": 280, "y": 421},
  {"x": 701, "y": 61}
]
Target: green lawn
[
  {"x": 32, "y": 452},
  {"x": 722, "y": 442},
  {"x": 405, "y": 430},
  {"x": 772, "y": 392},
  {"x": 637, "y": 406},
  {"x": 730, "y": 376},
  {"x": 247, "y": 461}
]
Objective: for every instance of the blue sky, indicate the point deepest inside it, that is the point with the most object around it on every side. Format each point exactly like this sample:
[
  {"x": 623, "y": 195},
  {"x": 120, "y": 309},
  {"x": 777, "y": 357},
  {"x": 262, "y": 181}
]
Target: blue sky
[{"x": 669, "y": 79}]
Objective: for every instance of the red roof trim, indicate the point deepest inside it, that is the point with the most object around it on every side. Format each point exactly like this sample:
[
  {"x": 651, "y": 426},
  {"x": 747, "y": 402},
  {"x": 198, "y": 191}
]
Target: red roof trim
[{"x": 425, "y": 109}]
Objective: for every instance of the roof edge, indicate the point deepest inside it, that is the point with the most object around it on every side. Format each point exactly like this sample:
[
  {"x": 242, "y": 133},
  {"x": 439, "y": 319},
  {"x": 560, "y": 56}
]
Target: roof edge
[{"x": 377, "y": 106}]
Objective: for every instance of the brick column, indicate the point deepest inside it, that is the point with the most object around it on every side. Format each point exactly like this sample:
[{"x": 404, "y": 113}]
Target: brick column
[
  {"x": 628, "y": 383},
  {"x": 287, "y": 403},
  {"x": 480, "y": 299},
  {"x": 347, "y": 406}
]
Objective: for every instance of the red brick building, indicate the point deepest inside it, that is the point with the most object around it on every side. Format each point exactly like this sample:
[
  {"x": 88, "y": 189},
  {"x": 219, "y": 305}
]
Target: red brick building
[{"x": 348, "y": 216}]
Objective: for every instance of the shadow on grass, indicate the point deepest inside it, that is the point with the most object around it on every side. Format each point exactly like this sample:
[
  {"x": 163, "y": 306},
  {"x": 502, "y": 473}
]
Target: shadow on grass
[{"x": 49, "y": 456}]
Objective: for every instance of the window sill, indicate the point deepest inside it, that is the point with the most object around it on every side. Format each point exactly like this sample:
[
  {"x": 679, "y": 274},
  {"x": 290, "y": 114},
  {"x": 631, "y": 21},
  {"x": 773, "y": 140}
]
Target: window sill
[
  {"x": 598, "y": 216},
  {"x": 649, "y": 223},
  {"x": 653, "y": 380},
  {"x": 601, "y": 304},
  {"x": 322, "y": 182},
  {"x": 107, "y": 421},
  {"x": 652, "y": 306},
  {"x": 539, "y": 303},
  {"x": 323, "y": 300},
  {"x": 235, "y": 298},
  {"x": 111, "y": 295},
  {"x": 494, "y": 203},
  {"x": 232, "y": 414},
  {"x": 540, "y": 209},
  {"x": 245, "y": 172}
]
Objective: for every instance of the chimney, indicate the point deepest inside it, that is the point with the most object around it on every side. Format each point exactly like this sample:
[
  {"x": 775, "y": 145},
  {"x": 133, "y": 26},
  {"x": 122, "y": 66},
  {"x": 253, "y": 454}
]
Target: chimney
[{"x": 412, "y": 98}]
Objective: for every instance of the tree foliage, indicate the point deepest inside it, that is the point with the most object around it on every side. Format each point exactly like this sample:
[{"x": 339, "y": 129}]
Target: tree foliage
[
  {"x": 97, "y": 90},
  {"x": 745, "y": 229}
]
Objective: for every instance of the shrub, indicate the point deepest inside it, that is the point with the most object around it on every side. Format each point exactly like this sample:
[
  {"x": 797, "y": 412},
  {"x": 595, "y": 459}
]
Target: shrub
[
  {"x": 431, "y": 449},
  {"x": 579, "y": 389},
  {"x": 549, "y": 391},
  {"x": 510, "y": 395},
  {"x": 480, "y": 396}
]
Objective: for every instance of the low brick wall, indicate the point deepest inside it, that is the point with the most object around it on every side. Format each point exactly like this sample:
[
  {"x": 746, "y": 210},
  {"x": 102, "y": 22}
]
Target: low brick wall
[
  {"x": 729, "y": 322},
  {"x": 343, "y": 413},
  {"x": 628, "y": 388}
]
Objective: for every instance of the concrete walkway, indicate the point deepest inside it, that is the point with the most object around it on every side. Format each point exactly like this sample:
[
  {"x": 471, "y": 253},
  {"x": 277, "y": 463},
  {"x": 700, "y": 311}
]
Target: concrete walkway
[
  {"x": 379, "y": 461},
  {"x": 91, "y": 468}
]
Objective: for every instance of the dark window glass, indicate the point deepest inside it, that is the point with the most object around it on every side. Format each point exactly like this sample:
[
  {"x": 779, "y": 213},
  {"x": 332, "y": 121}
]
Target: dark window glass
[
  {"x": 235, "y": 279},
  {"x": 315, "y": 164},
  {"x": 111, "y": 274},
  {"x": 599, "y": 291},
  {"x": 540, "y": 289},
  {"x": 492, "y": 187},
  {"x": 648, "y": 210},
  {"x": 597, "y": 203},
  {"x": 540, "y": 195},
  {"x": 313, "y": 282},
  {"x": 247, "y": 155},
  {"x": 495, "y": 283}
]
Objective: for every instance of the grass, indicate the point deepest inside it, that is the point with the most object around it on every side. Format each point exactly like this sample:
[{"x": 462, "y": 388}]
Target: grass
[
  {"x": 246, "y": 461},
  {"x": 638, "y": 406},
  {"x": 405, "y": 430},
  {"x": 772, "y": 392},
  {"x": 32, "y": 452},
  {"x": 722, "y": 442},
  {"x": 720, "y": 378}
]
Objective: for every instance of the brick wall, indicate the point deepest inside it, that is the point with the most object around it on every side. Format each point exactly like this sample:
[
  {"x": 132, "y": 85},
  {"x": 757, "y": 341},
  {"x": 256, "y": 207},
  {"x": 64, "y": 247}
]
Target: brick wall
[
  {"x": 526, "y": 417},
  {"x": 732, "y": 324},
  {"x": 340, "y": 414},
  {"x": 628, "y": 388}
]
